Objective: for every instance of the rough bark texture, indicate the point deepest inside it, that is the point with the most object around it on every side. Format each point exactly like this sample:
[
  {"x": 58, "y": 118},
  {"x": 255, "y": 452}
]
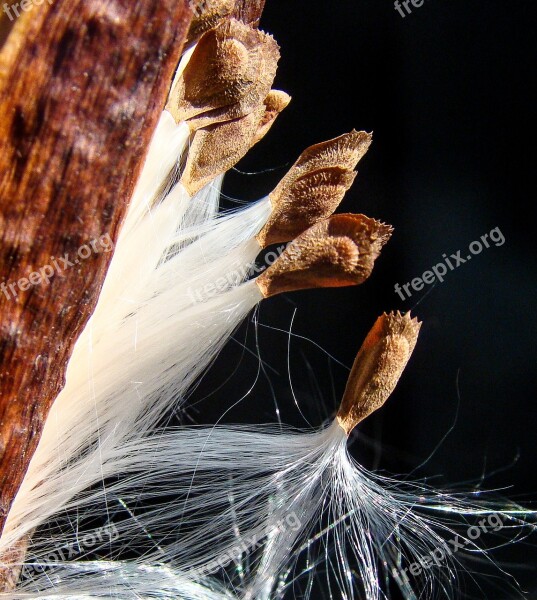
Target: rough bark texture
[
  {"x": 5, "y": 24},
  {"x": 82, "y": 84},
  {"x": 249, "y": 11}
]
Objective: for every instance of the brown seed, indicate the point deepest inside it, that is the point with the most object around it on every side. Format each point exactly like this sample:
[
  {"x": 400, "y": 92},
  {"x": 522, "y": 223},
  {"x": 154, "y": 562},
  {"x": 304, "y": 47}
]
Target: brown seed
[
  {"x": 378, "y": 367},
  {"x": 314, "y": 187},
  {"x": 216, "y": 148},
  {"x": 229, "y": 74},
  {"x": 274, "y": 103},
  {"x": 207, "y": 14},
  {"x": 336, "y": 252}
]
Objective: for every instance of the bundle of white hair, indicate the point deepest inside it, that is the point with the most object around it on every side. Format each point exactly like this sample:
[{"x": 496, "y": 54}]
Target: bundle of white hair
[{"x": 224, "y": 512}]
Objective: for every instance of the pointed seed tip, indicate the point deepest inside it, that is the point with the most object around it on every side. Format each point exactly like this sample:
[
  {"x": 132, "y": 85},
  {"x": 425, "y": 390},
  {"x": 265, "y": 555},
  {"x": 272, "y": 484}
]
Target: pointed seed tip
[
  {"x": 277, "y": 100},
  {"x": 405, "y": 316}
]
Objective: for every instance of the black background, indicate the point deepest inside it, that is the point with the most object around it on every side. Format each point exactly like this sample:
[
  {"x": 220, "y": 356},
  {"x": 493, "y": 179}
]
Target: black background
[{"x": 449, "y": 92}]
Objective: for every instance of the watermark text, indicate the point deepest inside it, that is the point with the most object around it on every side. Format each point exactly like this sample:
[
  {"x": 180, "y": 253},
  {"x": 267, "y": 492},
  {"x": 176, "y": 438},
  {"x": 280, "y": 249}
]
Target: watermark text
[
  {"x": 56, "y": 265},
  {"x": 440, "y": 270}
]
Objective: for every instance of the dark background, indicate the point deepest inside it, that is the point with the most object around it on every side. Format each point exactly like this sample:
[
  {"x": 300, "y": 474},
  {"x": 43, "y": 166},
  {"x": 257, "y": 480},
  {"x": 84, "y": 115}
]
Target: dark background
[{"x": 449, "y": 92}]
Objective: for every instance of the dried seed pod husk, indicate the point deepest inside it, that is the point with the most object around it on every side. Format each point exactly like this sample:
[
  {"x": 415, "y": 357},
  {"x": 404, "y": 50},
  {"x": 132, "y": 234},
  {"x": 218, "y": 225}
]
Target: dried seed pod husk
[
  {"x": 11, "y": 564},
  {"x": 314, "y": 187},
  {"x": 336, "y": 252},
  {"x": 216, "y": 148},
  {"x": 207, "y": 14},
  {"x": 274, "y": 103},
  {"x": 378, "y": 367},
  {"x": 229, "y": 74}
]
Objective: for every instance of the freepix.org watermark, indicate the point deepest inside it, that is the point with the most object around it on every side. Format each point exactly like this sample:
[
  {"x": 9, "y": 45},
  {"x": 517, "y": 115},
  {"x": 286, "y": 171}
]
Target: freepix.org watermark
[
  {"x": 96, "y": 538},
  {"x": 247, "y": 545},
  {"x": 44, "y": 274},
  {"x": 233, "y": 278},
  {"x": 399, "y": 5},
  {"x": 439, "y": 555},
  {"x": 440, "y": 270},
  {"x": 13, "y": 11}
]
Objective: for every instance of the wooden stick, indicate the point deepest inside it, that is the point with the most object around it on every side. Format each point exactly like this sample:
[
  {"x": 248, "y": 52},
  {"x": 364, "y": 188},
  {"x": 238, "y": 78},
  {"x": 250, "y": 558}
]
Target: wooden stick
[{"x": 82, "y": 85}]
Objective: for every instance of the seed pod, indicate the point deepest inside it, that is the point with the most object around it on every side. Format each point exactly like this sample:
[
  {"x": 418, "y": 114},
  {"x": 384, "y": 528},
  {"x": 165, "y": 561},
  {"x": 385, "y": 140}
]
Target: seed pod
[
  {"x": 217, "y": 148},
  {"x": 378, "y": 367},
  {"x": 339, "y": 251},
  {"x": 229, "y": 74},
  {"x": 314, "y": 187}
]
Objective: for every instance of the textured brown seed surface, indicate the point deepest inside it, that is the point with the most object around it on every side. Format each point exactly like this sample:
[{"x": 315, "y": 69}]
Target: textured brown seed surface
[
  {"x": 217, "y": 148},
  {"x": 206, "y": 15},
  {"x": 339, "y": 251},
  {"x": 249, "y": 11},
  {"x": 314, "y": 187},
  {"x": 229, "y": 74},
  {"x": 274, "y": 103},
  {"x": 378, "y": 367}
]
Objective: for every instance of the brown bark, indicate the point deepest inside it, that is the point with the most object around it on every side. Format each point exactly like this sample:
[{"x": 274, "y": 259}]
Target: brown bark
[
  {"x": 249, "y": 11},
  {"x": 82, "y": 84}
]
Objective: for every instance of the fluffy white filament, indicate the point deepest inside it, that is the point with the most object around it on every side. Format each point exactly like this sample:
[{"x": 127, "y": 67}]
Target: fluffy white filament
[
  {"x": 240, "y": 508},
  {"x": 169, "y": 302}
]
